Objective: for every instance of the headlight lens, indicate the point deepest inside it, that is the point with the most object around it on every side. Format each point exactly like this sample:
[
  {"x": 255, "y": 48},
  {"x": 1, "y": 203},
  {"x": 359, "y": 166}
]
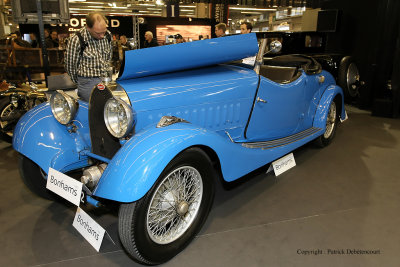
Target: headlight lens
[
  {"x": 119, "y": 117},
  {"x": 64, "y": 107}
]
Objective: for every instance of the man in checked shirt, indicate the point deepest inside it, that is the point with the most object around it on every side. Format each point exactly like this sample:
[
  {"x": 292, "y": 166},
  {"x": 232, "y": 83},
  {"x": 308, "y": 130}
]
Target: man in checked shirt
[{"x": 87, "y": 55}]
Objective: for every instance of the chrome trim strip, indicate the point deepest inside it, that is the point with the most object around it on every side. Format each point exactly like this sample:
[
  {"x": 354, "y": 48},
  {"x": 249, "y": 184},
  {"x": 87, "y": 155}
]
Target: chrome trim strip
[{"x": 282, "y": 141}]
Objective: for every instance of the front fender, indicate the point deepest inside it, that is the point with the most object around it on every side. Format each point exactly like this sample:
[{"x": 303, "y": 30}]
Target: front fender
[
  {"x": 41, "y": 138},
  {"x": 323, "y": 107},
  {"x": 137, "y": 165}
]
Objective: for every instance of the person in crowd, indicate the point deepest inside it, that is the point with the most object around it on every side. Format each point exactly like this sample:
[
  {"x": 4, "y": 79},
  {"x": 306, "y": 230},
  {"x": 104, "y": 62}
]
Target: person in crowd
[
  {"x": 116, "y": 36},
  {"x": 245, "y": 27},
  {"x": 149, "y": 40},
  {"x": 124, "y": 43},
  {"x": 54, "y": 38},
  {"x": 220, "y": 29},
  {"x": 34, "y": 42},
  {"x": 18, "y": 41},
  {"x": 47, "y": 39},
  {"x": 179, "y": 39},
  {"x": 86, "y": 58}
]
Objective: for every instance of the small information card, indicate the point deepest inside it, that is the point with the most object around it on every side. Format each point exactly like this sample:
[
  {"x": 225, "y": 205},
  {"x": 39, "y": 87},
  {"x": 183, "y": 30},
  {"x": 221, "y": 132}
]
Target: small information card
[
  {"x": 89, "y": 228},
  {"x": 64, "y": 186},
  {"x": 283, "y": 164}
]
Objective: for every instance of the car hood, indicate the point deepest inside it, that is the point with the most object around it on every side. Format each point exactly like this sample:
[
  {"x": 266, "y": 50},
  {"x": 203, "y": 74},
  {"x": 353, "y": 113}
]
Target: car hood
[
  {"x": 196, "y": 95},
  {"x": 176, "y": 57}
]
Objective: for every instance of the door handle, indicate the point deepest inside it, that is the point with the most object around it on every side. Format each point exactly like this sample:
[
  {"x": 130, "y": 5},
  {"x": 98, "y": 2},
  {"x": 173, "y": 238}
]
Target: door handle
[{"x": 261, "y": 100}]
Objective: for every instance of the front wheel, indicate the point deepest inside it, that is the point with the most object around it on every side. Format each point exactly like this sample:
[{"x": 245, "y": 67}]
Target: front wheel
[
  {"x": 34, "y": 177},
  {"x": 332, "y": 121},
  {"x": 161, "y": 224},
  {"x": 6, "y": 127}
]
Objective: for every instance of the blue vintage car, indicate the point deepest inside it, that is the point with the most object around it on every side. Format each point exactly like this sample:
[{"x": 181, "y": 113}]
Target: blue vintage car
[{"x": 178, "y": 119}]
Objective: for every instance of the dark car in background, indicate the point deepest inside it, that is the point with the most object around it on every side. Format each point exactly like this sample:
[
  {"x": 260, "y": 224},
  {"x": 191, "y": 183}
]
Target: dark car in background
[{"x": 342, "y": 67}]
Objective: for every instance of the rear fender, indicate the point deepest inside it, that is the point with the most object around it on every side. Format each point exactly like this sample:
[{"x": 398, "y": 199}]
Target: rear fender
[{"x": 330, "y": 93}]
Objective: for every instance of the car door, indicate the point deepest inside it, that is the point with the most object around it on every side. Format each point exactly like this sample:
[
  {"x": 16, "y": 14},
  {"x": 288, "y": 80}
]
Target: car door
[{"x": 278, "y": 110}]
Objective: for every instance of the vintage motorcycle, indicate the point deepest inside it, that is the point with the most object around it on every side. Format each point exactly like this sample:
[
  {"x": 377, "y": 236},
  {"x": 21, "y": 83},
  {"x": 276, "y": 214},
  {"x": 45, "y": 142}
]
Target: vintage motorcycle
[{"x": 15, "y": 101}]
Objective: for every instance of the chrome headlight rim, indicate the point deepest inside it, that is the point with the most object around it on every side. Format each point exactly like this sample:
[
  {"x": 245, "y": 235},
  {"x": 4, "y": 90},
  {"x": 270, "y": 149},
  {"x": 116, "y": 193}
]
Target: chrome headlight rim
[
  {"x": 60, "y": 114},
  {"x": 112, "y": 122}
]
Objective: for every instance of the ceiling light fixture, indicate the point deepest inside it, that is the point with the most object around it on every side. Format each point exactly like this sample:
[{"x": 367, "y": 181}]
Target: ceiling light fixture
[
  {"x": 252, "y": 9},
  {"x": 95, "y": 3},
  {"x": 78, "y": 9},
  {"x": 250, "y": 12}
]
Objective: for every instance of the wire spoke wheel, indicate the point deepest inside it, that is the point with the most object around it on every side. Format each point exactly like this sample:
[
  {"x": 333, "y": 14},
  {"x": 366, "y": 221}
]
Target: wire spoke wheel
[
  {"x": 7, "y": 111},
  {"x": 174, "y": 205},
  {"x": 158, "y": 226},
  {"x": 330, "y": 120}
]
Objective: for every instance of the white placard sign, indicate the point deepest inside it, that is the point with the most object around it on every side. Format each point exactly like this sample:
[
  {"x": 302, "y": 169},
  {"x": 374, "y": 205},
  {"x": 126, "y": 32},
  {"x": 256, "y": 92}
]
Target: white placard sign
[
  {"x": 64, "y": 186},
  {"x": 283, "y": 164},
  {"x": 88, "y": 228}
]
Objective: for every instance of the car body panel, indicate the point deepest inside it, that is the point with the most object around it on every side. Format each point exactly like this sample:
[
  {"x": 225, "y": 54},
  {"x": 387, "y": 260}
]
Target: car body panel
[
  {"x": 40, "y": 137},
  {"x": 280, "y": 115},
  {"x": 231, "y": 88},
  {"x": 327, "y": 97},
  {"x": 163, "y": 59},
  {"x": 138, "y": 164}
]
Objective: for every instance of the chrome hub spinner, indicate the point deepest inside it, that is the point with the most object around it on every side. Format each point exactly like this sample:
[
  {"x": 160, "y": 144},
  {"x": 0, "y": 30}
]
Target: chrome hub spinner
[{"x": 182, "y": 208}]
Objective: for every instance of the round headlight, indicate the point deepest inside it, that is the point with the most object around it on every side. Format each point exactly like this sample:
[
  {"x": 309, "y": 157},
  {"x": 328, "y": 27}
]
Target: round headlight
[
  {"x": 63, "y": 106},
  {"x": 119, "y": 117}
]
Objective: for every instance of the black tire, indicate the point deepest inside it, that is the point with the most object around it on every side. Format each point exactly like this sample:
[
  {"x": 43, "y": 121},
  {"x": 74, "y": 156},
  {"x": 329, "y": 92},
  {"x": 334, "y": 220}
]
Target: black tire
[
  {"x": 349, "y": 78},
  {"x": 331, "y": 125},
  {"x": 34, "y": 177},
  {"x": 134, "y": 227},
  {"x": 5, "y": 108}
]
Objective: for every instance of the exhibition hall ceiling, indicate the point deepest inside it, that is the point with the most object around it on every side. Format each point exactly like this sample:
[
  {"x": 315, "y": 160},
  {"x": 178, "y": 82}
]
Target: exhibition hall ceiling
[
  {"x": 187, "y": 8},
  {"x": 155, "y": 7}
]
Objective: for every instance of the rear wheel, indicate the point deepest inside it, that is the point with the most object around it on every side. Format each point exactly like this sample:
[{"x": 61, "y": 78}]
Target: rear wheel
[
  {"x": 349, "y": 78},
  {"x": 332, "y": 121},
  {"x": 162, "y": 223}
]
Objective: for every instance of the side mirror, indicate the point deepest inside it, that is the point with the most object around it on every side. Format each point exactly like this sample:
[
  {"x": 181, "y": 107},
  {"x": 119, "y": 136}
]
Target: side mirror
[{"x": 275, "y": 47}]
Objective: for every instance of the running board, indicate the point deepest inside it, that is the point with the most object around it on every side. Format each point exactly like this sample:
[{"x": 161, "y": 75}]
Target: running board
[{"x": 282, "y": 141}]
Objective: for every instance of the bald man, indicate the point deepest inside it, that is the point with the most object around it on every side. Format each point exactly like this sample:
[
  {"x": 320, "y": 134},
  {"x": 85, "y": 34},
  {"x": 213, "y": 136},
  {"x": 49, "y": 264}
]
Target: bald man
[
  {"x": 87, "y": 54},
  {"x": 149, "y": 40}
]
